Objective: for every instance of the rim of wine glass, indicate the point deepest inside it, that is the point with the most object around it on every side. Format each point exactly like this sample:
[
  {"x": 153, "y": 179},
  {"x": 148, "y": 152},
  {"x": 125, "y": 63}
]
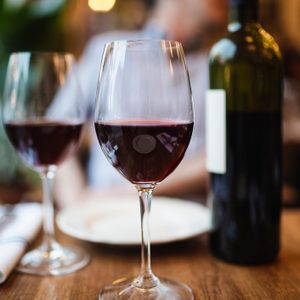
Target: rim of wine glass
[{"x": 168, "y": 44}]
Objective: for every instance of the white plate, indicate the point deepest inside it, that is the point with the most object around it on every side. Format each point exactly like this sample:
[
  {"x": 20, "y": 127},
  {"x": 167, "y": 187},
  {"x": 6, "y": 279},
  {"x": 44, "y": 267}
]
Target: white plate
[{"x": 117, "y": 220}]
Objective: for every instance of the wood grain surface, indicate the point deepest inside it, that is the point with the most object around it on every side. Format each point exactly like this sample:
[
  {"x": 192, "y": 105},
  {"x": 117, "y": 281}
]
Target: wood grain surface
[{"x": 188, "y": 261}]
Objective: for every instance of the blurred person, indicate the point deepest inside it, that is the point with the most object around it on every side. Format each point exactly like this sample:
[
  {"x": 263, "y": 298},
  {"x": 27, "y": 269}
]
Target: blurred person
[
  {"x": 291, "y": 127},
  {"x": 194, "y": 23}
]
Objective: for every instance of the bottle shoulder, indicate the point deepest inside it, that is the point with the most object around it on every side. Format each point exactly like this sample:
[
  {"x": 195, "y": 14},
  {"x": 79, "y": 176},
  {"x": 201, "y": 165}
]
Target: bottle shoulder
[{"x": 248, "y": 43}]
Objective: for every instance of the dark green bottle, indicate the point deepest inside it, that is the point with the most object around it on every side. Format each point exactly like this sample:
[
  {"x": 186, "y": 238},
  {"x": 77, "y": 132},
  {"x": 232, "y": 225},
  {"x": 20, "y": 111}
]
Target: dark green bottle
[{"x": 244, "y": 140}]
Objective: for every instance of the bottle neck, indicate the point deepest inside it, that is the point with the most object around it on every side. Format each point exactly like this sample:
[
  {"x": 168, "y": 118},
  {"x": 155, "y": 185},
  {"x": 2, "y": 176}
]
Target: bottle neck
[{"x": 243, "y": 11}]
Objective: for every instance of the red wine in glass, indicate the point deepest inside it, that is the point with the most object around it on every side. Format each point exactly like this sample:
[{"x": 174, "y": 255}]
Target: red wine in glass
[
  {"x": 43, "y": 142},
  {"x": 43, "y": 117},
  {"x": 144, "y": 151},
  {"x": 144, "y": 122}
]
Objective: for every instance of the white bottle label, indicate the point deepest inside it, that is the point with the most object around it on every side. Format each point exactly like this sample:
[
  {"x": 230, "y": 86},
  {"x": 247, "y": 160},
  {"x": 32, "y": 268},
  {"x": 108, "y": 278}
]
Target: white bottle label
[{"x": 216, "y": 131}]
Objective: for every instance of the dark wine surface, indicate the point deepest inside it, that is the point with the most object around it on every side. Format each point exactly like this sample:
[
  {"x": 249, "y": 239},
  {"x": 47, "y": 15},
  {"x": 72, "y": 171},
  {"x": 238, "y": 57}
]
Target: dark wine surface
[
  {"x": 144, "y": 151},
  {"x": 43, "y": 142},
  {"x": 247, "y": 199}
]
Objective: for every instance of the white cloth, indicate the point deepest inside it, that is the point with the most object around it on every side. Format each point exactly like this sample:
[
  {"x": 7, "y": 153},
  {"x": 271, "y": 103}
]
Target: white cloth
[
  {"x": 21, "y": 227},
  {"x": 100, "y": 172}
]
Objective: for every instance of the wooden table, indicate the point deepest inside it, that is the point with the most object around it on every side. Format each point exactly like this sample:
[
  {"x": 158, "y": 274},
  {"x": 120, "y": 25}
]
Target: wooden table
[{"x": 189, "y": 262}]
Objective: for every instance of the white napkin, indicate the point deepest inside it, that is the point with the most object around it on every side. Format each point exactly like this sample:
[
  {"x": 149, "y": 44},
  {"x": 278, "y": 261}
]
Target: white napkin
[{"x": 22, "y": 225}]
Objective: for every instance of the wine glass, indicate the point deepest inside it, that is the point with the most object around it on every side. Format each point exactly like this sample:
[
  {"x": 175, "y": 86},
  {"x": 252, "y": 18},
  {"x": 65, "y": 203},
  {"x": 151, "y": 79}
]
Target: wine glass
[
  {"x": 144, "y": 122},
  {"x": 43, "y": 119}
]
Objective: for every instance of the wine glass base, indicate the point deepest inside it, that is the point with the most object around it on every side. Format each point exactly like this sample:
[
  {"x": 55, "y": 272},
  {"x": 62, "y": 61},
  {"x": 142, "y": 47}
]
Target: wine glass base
[
  {"x": 59, "y": 260},
  {"x": 124, "y": 289}
]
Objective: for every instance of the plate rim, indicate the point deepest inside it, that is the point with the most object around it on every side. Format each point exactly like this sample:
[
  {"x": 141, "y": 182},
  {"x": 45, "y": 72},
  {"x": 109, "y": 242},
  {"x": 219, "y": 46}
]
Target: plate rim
[{"x": 74, "y": 233}]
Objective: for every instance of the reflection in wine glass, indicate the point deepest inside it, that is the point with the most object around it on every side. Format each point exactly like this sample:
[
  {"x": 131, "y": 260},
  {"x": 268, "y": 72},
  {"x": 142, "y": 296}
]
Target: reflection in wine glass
[
  {"x": 144, "y": 125},
  {"x": 44, "y": 129}
]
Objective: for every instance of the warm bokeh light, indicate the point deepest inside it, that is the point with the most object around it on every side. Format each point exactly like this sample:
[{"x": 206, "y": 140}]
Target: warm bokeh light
[{"x": 101, "y": 5}]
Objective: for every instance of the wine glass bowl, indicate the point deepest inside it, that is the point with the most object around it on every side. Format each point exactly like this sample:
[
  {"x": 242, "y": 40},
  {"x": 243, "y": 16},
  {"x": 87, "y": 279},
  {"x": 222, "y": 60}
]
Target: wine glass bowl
[
  {"x": 144, "y": 122},
  {"x": 142, "y": 155},
  {"x": 31, "y": 139},
  {"x": 43, "y": 119}
]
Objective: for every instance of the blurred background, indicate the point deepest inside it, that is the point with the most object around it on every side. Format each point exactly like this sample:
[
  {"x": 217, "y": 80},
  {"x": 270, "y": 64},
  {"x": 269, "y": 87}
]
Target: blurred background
[
  {"x": 69, "y": 24},
  {"x": 52, "y": 25}
]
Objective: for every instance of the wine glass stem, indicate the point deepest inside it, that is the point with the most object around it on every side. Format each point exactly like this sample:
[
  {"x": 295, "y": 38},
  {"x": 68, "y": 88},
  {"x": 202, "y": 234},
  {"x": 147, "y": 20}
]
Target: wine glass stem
[
  {"x": 146, "y": 278},
  {"x": 48, "y": 210}
]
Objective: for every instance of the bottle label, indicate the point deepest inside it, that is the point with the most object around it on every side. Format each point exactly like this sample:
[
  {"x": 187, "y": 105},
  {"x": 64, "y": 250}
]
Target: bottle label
[{"x": 215, "y": 131}]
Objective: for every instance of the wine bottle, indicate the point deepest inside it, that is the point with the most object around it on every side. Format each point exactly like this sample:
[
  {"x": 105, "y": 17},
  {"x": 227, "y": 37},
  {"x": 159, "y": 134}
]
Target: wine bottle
[{"x": 244, "y": 139}]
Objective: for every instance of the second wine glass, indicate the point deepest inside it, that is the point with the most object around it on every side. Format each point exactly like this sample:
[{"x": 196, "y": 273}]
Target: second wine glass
[
  {"x": 144, "y": 122},
  {"x": 43, "y": 119}
]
